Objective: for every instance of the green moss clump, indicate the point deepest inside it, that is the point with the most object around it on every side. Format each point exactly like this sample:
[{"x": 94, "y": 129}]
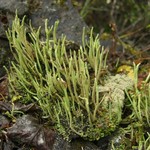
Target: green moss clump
[{"x": 64, "y": 83}]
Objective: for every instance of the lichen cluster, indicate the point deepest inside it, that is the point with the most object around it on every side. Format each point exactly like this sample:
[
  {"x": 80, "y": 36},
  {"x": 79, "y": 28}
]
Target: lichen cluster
[{"x": 67, "y": 84}]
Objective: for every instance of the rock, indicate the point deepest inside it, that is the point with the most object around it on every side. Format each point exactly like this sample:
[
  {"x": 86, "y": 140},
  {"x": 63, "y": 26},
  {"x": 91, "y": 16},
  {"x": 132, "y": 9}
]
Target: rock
[
  {"x": 61, "y": 144},
  {"x": 27, "y": 130},
  {"x": 5, "y": 55},
  {"x": 12, "y": 5},
  {"x": 70, "y": 22},
  {"x": 76, "y": 144},
  {"x": 2, "y": 28},
  {"x": 79, "y": 144},
  {"x": 103, "y": 143},
  {"x": 4, "y": 122}
]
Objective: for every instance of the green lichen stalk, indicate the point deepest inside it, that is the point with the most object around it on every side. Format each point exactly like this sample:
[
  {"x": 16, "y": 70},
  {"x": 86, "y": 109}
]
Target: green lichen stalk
[{"x": 64, "y": 82}]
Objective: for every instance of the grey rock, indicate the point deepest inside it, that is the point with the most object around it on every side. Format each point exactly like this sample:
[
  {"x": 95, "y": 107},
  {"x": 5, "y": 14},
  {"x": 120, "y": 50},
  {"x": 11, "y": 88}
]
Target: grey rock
[
  {"x": 5, "y": 55},
  {"x": 28, "y": 131},
  {"x": 2, "y": 30},
  {"x": 4, "y": 122},
  {"x": 76, "y": 144},
  {"x": 80, "y": 144},
  {"x": 61, "y": 144},
  {"x": 70, "y": 22},
  {"x": 12, "y": 5}
]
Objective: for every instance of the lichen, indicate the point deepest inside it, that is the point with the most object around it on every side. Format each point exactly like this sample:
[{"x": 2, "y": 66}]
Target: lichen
[{"x": 66, "y": 84}]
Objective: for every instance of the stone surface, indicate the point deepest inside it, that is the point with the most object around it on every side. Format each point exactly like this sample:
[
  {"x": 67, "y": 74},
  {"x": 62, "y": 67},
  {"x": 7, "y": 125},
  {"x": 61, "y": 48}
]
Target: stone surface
[
  {"x": 5, "y": 55},
  {"x": 70, "y": 22},
  {"x": 12, "y": 5},
  {"x": 27, "y": 130},
  {"x": 4, "y": 122}
]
